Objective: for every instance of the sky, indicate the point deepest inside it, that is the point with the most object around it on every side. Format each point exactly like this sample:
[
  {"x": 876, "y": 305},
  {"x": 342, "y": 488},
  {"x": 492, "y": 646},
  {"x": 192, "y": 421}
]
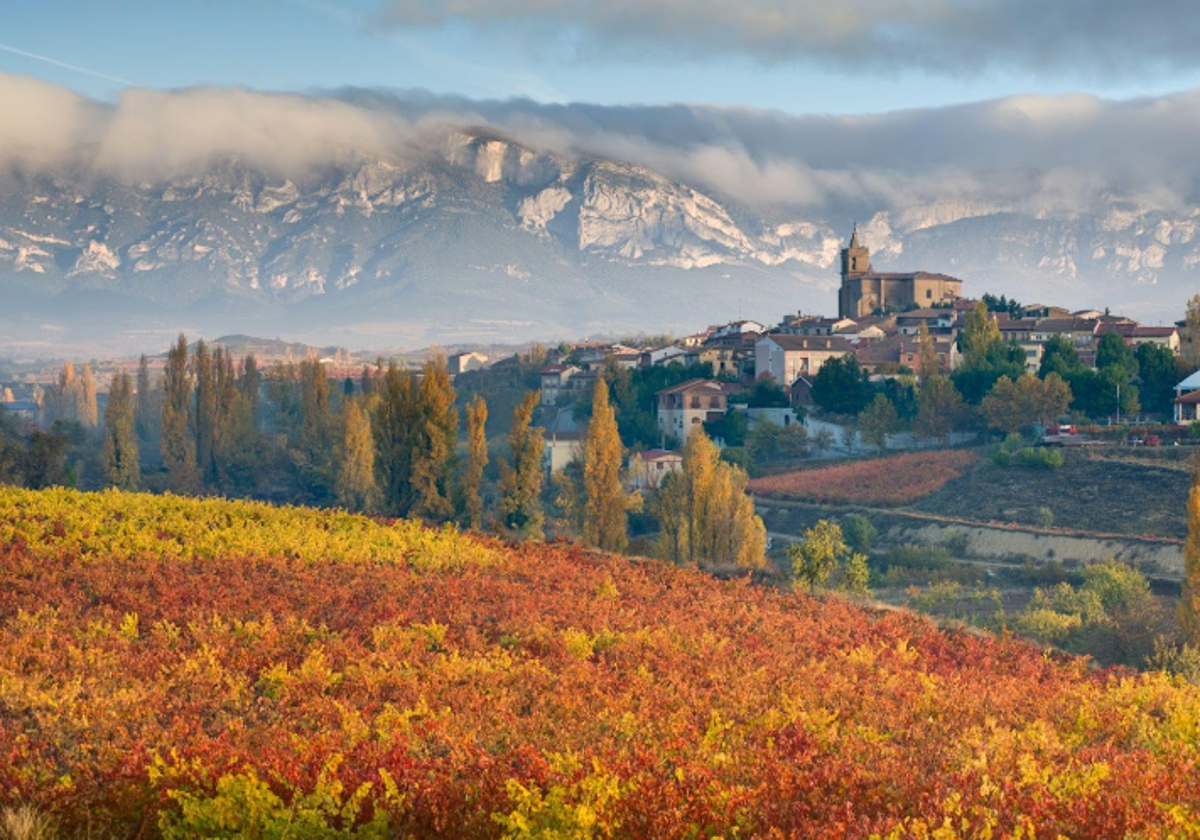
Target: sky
[{"x": 793, "y": 56}]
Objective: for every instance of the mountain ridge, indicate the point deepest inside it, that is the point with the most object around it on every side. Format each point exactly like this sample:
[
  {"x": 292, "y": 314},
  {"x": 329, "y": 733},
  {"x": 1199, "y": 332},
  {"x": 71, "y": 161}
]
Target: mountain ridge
[{"x": 488, "y": 238}]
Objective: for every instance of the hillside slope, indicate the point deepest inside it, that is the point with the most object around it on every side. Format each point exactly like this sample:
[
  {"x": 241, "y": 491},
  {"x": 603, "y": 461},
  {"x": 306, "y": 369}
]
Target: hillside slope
[{"x": 192, "y": 667}]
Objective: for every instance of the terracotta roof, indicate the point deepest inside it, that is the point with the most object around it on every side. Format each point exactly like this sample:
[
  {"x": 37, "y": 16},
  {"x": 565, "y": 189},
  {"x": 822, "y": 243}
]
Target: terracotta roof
[
  {"x": 710, "y": 385},
  {"x": 651, "y": 455},
  {"x": 1062, "y": 325}
]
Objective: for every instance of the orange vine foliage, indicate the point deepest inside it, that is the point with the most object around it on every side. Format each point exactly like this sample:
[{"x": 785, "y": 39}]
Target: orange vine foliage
[
  {"x": 896, "y": 480},
  {"x": 541, "y": 688}
]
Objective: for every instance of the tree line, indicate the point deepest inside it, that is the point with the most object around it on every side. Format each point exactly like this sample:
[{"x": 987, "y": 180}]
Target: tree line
[{"x": 389, "y": 442}]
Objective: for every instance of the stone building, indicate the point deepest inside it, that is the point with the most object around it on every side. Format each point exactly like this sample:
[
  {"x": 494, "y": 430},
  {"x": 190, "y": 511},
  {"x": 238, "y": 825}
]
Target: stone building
[{"x": 865, "y": 292}]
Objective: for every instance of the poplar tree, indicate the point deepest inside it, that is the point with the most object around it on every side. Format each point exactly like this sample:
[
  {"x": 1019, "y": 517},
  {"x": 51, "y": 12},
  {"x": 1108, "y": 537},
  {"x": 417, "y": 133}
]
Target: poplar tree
[
  {"x": 120, "y": 450},
  {"x": 927, "y": 360},
  {"x": 148, "y": 412},
  {"x": 88, "y": 413},
  {"x": 433, "y": 444},
  {"x": 250, "y": 384},
  {"x": 1189, "y": 602},
  {"x": 205, "y": 426},
  {"x": 477, "y": 459},
  {"x": 392, "y": 425},
  {"x": 355, "y": 485},
  {"x": 979, "y": 335},
  {"x": 63, "y": 402},
  {"x": 521, "y": 478},
  {"x": 178, "y": 444},
  {"x": 605, "y": 519},
  {"x": 704, "y": 514}
]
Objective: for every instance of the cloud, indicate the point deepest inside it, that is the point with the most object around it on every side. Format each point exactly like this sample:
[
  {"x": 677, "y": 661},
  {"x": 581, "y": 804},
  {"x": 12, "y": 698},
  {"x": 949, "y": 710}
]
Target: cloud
[
  {"x": 1059, "y": 154},
  {"x": 1095, "y": 37}
]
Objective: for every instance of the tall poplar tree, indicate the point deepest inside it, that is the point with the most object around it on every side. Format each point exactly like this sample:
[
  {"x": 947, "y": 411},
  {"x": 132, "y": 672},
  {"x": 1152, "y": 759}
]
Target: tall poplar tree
[
  {"x": 1189, "y": 345},
  {"x": 178, "y": 444},
  {"x": 433, "y": 445},
  {"x": 393, "y": 424},
  {"x": 205, "y": 426},
  {"x": 119, "y": 452},
  {"x": 89, "y": 414},
  {"x": 477, "y": 459},
  {"x": 605, "y": 518},
  {"x": 704, "y": 513},
  {"x": 521, "y": 478},
  {"x": 148, "y": 412},
  {"x": 927, "y": 359},
  {"x": 355, "y": 485}
]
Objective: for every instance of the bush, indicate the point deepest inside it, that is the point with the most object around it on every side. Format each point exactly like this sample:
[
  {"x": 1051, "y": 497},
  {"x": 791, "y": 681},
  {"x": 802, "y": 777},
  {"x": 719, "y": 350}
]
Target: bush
[{"x": 859, "y": 533}]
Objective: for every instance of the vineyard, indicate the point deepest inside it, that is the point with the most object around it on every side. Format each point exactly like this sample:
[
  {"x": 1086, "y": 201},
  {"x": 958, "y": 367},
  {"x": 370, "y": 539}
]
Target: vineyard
[
  {"x": 896, "y": 480},
  {"x": 183, "y": 668}
]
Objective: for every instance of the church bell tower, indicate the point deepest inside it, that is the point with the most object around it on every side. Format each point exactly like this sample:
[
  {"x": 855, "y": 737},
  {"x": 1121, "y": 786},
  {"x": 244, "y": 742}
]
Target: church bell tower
[{"x": 856, "y": 258}]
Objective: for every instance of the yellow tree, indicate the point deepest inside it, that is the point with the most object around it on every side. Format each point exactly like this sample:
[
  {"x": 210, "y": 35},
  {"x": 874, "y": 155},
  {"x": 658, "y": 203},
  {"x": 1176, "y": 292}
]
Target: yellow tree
[
  {"x": 89, "y": 416},
  {"x": 356, "y": 486},
  {"x": 1189, "y": 604},
  {"x": 704, "y": 513},
  {"x": 1189, "y": 345},
  {"x": 605, "y": 518},
  {"x": 477, "y": 459},
  {"x": 927, "y": 360},
  {"x": 939, "y": 408},
  {"x": 980, "y": 333}
]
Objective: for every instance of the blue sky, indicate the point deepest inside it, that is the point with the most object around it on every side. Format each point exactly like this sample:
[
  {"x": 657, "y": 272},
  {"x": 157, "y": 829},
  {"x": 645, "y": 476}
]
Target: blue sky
[{"x": 306, "y": 45}]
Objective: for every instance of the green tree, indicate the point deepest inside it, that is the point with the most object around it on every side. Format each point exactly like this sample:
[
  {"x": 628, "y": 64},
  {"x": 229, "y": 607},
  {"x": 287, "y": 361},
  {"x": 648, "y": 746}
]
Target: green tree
[
  {"x": 148, "y": 414},
  {"x": 394, "y": 422},
  {"x": 1059, "y": 356},
  {"x": 606, "y": 518},
  {"x": 824, "y": 552},
  {"x": 841, "y": 386},
  {"x": 1113, "y": 351},
  {"x": 477, "y": 459},
  {"x": 205, "y": 414},
  {"x": 521, "y": 477},
  {"x": 877, "y": 421},
  {"x": 433, "y": 444},
  {"x": 355, "y": 486},
  {"x": 979, "y": 337},
  {"x": 178, "y": 444},
  {"x": 940, "y": 409},
  {"x": 1157, "y": 378},
  {"x": 859, "y": 533},
  {"x": 120, "y": 450}
]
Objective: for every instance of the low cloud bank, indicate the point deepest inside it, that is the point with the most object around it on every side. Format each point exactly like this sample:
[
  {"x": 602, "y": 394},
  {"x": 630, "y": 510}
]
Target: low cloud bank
[{"x": 1031, "y": 153}]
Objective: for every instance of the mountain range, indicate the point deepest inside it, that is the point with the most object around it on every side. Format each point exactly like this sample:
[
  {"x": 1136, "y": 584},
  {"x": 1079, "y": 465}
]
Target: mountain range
[{"x": 483, "y": 239}]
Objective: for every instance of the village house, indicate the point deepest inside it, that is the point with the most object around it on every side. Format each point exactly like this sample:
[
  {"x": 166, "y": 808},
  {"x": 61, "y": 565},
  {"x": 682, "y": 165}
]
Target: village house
[
  {"x": 463, "y": 362},
  {"x": 814, "y": 325},
  {"x": 555, "y": 382},
  {"x": 648, "y": 469},
  {"x": 560, "y": 449},
  {"x": 663, "y": 356},
  {"x": 788, "y": 357},
  {"x": 1187, "y": 400},
  {"x": 935, "y": 320},
  {"x": 946, "y": 350},
  {"x": 1135, "y": 334},
  {"x": 684, "y": 407}
]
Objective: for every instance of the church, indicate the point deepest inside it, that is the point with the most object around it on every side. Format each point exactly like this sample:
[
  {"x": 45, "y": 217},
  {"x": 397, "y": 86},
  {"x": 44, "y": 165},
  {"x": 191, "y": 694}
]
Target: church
[{"x": 866, "y": 292}]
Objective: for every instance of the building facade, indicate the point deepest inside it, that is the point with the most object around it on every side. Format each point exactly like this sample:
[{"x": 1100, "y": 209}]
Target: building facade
[{"x": 865, "y": 292}]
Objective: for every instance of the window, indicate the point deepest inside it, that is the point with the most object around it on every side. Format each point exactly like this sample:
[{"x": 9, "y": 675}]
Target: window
[
  {"x": 695, "y": 421},
  {"x": 929, "y": 293},
  {"x": 714, "y": 402},
  {"x": 695, "y": 401}
]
